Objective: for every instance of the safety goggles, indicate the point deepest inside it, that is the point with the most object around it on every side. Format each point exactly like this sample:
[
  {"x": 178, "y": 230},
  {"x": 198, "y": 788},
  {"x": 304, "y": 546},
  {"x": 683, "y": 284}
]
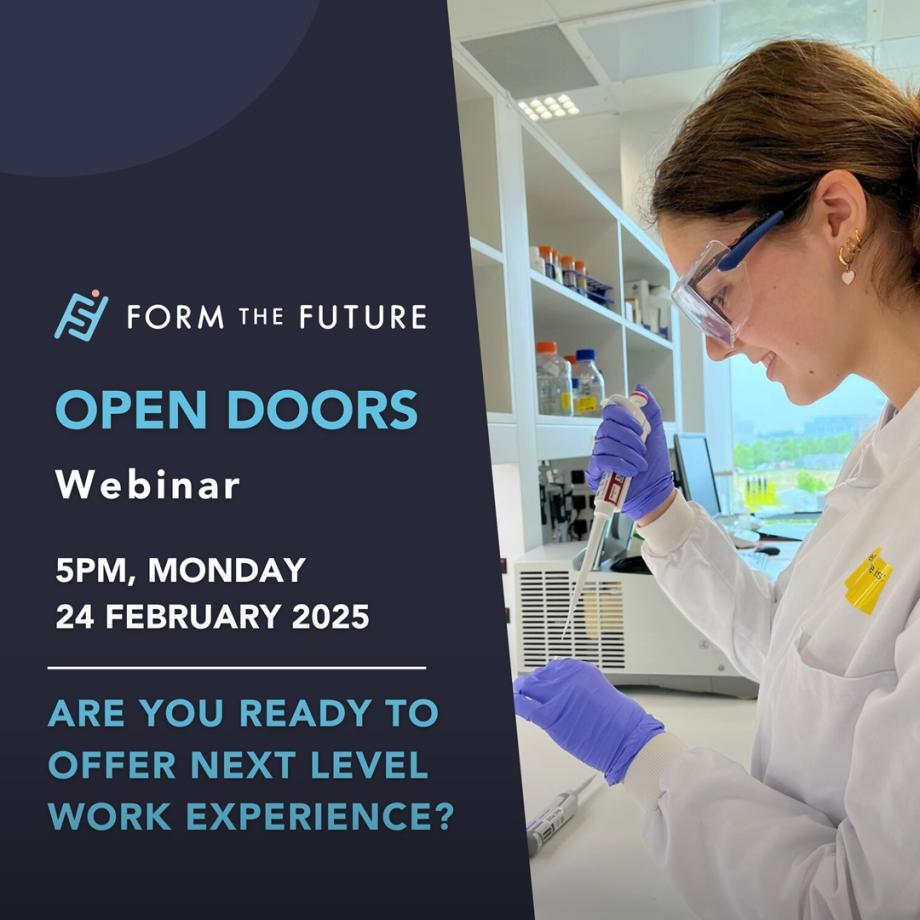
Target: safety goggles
[{"x": 714, "y": 293}]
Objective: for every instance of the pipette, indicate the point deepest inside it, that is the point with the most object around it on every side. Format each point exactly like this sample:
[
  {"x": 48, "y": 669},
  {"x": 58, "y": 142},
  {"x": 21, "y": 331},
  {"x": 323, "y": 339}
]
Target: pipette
[
  {"x": 555, "y": 816},
  {"x": 608, "y": 500}
]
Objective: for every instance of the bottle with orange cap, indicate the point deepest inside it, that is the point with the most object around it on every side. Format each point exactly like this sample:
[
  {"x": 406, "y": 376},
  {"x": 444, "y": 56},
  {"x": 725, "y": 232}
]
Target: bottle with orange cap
[
  {"x": 581, "y": 277},
  {"x": 554, "y": 382},
  {"x": 557, "y": 265},
  {"x": 568, "y": 272}
]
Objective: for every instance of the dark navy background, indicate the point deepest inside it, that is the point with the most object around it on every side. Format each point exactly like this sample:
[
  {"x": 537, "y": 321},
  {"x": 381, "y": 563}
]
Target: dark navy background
[{"x": 337, "y": 180}]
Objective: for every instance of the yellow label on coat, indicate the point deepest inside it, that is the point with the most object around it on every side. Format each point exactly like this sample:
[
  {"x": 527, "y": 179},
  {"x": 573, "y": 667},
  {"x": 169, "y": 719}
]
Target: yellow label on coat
[{"x": 866, "y": 582}]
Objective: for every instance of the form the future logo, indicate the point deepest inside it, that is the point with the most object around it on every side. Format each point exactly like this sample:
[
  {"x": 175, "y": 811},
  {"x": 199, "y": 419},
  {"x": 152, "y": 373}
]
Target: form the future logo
[{"x": 82, "y": 315}]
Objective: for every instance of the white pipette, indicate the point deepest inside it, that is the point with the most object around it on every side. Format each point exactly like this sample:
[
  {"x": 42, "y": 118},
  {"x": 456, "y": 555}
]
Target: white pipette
[
  {"x": 554, "y": 817},
  {"x": 608, "y": 500}
]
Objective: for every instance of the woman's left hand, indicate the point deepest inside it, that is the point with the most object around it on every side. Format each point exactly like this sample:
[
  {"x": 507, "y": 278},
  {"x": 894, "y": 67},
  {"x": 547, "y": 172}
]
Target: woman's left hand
[{"x": 586, "y": 715}]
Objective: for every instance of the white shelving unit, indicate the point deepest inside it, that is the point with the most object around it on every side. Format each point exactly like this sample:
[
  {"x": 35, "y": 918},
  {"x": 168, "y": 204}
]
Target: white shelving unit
[
  {"x": 484, "y": 255},
  {"x": 523, "y": 190}
]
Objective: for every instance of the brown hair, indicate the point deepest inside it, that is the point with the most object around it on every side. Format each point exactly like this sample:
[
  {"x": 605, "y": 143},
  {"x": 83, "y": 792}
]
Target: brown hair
[{"x": 780, "y": 119}]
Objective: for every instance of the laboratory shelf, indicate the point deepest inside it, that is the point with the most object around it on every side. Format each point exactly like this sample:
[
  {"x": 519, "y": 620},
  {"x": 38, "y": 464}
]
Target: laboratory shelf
[
  {"x": 563, "y": 439},
  {"x": 558, "y": 192},
  {"x": 484, "y": 255},
  {"x": 523, "y": 190},
  {"x": 503, "y": 445},
  {"x": 478, "y": 148},
  {"x": 560, "y": 438},
  {"x": 641, "y": 339},
  {"x": 492, "y": 323},
  {"x": 643, "y": 259},
  {"x": 555, "y": 305}
]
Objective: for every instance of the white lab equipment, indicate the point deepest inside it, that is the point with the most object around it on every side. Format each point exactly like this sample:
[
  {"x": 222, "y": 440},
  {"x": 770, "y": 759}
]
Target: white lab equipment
[
  {"x": 624, "y": 623},
  {"x": 658, "y": 308},
  {"x": 744, "y": 539},
  {"x": 639, "y": 290}
]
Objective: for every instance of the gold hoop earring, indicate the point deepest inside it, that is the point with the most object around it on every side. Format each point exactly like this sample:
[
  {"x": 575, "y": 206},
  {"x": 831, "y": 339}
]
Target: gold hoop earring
[{"x": 846, "y": 254}]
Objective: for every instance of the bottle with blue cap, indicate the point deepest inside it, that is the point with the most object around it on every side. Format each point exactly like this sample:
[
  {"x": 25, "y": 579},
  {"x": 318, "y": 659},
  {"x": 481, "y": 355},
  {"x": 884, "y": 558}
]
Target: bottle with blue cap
[{"x": 590, "y": 392}]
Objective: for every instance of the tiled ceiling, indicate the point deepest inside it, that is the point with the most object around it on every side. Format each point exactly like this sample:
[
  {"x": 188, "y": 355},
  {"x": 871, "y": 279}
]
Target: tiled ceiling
[
  {"x": 475, "y": 18},
  {"x": 659, "y": 53},
  {"x": 622, "y": 56}
]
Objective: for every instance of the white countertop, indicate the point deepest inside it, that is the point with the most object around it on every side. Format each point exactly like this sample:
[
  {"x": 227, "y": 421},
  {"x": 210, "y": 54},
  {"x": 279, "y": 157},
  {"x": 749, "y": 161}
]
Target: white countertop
[{"x": 597, "y": 867}]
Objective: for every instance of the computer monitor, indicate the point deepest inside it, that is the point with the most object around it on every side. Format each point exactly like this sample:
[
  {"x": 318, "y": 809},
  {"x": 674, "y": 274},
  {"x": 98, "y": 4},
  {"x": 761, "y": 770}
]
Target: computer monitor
[{"x": 694, "y": 469}]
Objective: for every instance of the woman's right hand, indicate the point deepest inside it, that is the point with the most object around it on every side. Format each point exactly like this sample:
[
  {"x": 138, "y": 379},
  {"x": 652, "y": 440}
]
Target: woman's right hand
[{"x": 618, "y": 448}]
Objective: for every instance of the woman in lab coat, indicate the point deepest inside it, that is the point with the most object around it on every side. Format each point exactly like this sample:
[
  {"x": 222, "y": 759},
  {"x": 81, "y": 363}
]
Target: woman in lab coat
[{"x": 789, "y": 203}]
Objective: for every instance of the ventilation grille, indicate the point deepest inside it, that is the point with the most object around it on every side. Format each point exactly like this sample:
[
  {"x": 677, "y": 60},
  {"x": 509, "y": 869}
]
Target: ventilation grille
[
  {"x": 597, "y": 631},
  {"x": 532, "y": 62}
]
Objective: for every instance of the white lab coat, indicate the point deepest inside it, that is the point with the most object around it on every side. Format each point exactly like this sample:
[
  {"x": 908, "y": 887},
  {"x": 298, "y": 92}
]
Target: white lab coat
[{"x": 827, "y": 823}]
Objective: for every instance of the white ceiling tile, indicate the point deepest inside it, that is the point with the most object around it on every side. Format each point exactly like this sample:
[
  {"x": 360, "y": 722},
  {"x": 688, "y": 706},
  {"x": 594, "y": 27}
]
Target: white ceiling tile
[
  {"x": 475, "y": 18},
  {"x": 898, "y": 54},
  {"x": 678, "y": 39},
  {"x": 664, "y": 90},
  {"x": 573, "y": 9},
  {"x": 900, "y": 18}
]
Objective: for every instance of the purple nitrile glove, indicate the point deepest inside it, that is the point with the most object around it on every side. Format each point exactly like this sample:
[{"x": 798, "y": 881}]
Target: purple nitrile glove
[
  {"x": 618, "y": 448},
  {"x": 586, "y": 715}
]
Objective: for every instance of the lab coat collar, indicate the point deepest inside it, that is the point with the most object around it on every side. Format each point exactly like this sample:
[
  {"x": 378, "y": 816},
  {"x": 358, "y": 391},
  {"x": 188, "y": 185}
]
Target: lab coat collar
[{"x": 897, "y": 436}]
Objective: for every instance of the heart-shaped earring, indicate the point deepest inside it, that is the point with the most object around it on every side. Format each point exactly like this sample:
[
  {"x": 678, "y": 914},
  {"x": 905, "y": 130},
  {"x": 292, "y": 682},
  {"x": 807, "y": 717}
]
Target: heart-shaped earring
[{"x": 846, "y": 254}]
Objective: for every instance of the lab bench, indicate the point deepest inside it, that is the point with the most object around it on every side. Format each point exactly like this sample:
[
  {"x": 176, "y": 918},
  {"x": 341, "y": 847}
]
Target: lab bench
[{"x": 598, "y": 867}]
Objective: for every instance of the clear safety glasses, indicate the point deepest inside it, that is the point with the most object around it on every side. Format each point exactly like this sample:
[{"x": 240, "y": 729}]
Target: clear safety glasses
[{"x": 714, "y": 293}]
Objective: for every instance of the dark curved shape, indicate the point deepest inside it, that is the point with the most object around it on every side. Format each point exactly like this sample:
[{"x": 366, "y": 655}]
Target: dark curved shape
[{"x": 98, "y": 85}]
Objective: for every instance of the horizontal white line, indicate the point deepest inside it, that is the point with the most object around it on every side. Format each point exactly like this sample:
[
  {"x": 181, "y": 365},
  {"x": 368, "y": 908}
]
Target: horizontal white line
[{"x": 236, "y": 667}]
